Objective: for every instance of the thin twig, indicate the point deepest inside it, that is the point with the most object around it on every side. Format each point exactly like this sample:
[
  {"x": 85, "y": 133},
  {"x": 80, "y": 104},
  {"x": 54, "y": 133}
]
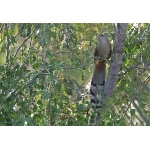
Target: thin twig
[
  {"x": 7, "y": 45},
  {"x": 141, "y": 86},
  {"x": 24, "y": 42},
  {"x": 16, "y": 35},
  {"x": 132, "y": 99},
  {"x": 14, "y": 93},
  {"x": 2, "y": 25},
  {"x": 133, "y": 67}
]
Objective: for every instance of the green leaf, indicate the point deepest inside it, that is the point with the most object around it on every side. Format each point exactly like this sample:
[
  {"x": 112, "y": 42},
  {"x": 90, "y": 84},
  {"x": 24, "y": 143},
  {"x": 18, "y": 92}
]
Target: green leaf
[
  {"x": 5, "y": 84},
  {"x": 53, "y": 34},
  {"x": 109, "y": 124},
  {"x": 132, "y": 112}
]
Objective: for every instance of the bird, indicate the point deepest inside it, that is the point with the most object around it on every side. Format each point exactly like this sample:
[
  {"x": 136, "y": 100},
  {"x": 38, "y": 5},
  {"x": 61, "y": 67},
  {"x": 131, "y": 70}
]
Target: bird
[{"x": 102, "y": 53}]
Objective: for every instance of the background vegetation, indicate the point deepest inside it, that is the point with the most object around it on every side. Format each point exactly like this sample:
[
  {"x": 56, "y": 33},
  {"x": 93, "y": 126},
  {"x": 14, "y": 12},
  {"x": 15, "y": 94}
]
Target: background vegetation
[{"x": 44, "y": 69}]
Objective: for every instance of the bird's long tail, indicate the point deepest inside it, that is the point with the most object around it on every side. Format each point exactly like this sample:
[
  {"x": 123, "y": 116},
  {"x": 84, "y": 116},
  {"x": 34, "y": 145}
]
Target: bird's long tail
[{"x": 97, "y": 84}]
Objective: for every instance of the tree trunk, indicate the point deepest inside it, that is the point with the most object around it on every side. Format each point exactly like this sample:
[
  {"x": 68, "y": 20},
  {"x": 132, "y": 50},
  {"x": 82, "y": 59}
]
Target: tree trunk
[{"x": 116, "y": 59}]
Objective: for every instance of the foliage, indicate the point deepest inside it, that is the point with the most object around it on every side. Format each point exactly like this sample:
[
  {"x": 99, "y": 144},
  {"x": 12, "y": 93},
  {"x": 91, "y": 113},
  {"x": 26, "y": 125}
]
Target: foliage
[{"x": 44, "y": 69}]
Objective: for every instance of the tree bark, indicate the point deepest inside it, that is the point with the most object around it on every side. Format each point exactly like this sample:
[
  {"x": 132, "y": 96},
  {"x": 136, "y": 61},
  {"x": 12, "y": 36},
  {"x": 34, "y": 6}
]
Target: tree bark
[{"x": 116, "y": 59}]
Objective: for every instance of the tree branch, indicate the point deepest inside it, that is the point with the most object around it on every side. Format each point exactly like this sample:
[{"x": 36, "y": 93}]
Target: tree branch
[
  {"x": 135, "y": 67},
  {"x": 7, "y": 45},
  {"x": 120, "y": 34},
  {"x": 14, "y": 92},
  {"x": 145, "y": 81},
  {"x": 24, "y": 42},
  {"x": 1, "y": 28}
]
